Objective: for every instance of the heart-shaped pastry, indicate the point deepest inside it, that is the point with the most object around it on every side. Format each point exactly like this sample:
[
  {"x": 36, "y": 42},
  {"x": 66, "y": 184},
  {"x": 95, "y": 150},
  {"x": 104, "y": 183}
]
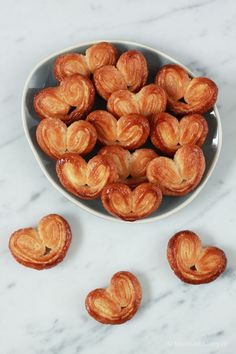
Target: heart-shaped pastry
[
  {"x": 95, "y": 57},
  {"x": 192, "y": 262},
  {"x": 119, "y": 200},
  {"x": 130, "y": 73},
  {"x": 118, "y": 303},
  {"x": 131, "y": 167},
  {"x": 168, "y": 134},
  {"x": 199, "y": 93},
  {"x": 55, "y": 138},
  {"x": 69, "y": 101},
  {"x": 44, "y": 247},
  {"x": 85, "y": 180},
  {"x": 151, "y": 99},
  {"x": 180, "y": 175},
  {"x": 130, "y": 131}
]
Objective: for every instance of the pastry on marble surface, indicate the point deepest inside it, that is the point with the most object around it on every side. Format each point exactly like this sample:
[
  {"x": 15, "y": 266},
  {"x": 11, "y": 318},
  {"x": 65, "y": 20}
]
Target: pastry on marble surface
[
  {"x": 130, "y": 131},
  {"x": 69, "y": 101},
  {"x": 43, "y": 247},
  {"x": 186, "y": 95},
  {"x": 168, "y": 134},
  {"x": 117, "y": 303},
  {"x": 85, "y": 179},
  {"x": 132, "y": 165},
  {"x": 180, "y": 175},
  {"x": 55, "y": 138},
  {"x": 192, "y": 262},
  {"x": 130, "y": 205},
  {"x": 130, "y": 73},
  {"x": 151, "y": 99},
  {"x": 95, "y": 57}
]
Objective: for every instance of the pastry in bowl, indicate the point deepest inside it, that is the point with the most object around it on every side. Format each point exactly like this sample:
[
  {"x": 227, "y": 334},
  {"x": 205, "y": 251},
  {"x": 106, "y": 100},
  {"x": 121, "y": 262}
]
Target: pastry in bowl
[
  {"x": 55, "y": 138},
  {"x": 180, "y": 175},
  {"x": 130, "y": 72},
  {"x": 131, "y": 167},
  {"x": 186, "y": 95},
  {"x": 69, "y": 101},
  {"x": 96, "y": 56},
  {"x": 168, "y": 134},
  {"x": 85, "y": 179},
  {"x": 123, "y": 202},
  {"x": 130, "y": 131},
  {"x": 151, "y": 99}
]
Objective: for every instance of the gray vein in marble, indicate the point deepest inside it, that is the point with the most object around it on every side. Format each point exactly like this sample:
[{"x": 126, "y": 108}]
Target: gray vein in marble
[
  {"x": 8, "y": 98},
  {"x": 208, "y": 206},
  {"x": 176, "y": 10},
  {"x": 145, "y": 21},
  {"x": 10, "y": 141},
  {"x": 11, "y": 285}
]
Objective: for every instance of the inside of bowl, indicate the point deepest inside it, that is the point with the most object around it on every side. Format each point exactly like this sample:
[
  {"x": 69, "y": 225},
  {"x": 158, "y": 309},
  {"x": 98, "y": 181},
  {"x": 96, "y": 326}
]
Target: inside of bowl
[{"x": 42, "y": 77}]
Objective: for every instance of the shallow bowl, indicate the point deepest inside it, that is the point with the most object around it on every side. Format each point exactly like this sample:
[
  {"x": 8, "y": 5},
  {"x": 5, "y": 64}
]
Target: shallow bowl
[{"x": 42, "y": 76}]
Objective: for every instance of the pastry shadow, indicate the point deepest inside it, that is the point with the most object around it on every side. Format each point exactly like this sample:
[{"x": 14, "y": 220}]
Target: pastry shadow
[
  {"x": 146, "y": 291},
  {"x": 77, "y": 236}
]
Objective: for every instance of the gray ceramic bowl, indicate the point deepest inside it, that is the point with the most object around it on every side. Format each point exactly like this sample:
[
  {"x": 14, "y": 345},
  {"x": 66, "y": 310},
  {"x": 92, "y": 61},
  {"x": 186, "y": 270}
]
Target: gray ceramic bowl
[{"x": 42, "y": 76}]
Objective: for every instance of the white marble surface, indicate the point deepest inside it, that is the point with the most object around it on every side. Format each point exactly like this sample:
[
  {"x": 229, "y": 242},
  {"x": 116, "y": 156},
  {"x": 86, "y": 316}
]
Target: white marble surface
[{"x": 43, "y": 312}]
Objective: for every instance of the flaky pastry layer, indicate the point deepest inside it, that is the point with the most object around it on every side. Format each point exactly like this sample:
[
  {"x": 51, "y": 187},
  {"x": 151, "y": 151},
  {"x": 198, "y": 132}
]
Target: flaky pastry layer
[
  {"x": 130, "y": 131},
  {"x": 119, "y": 200},
  {"x": 186, "y": 95},
  {"x": 118, "y": 303},
  {"x": 192, "y": 262},
  {"x": 43, "y": 247},
  {"x": 168, "y": 134},
  {"x": 69, "y": 101},
  {"x": 180, "y": 175}
]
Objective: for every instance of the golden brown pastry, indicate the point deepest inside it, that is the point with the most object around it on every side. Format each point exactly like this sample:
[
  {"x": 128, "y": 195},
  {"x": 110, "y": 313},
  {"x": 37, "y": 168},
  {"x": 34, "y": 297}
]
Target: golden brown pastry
[
  {"x": 96, "y": 56},
  {"x": 44, "y": 247},
  {"x": 119, "y": 200},
  {"x": 130, "y": 131},
  {"x": 55, "y": 138},
  {"x": 118, "y": 303},
  {"x": 85, "y": 179},
  {"x": 151, "y": 99},
  {"x": 199, "y": 93},
  {"x": 130, "y": 73},
  {"x": 132, "y": 165},
  {"x": 168, "y": 134},
  {"x": 192, "y": 262},
  {"x": 180, "y": 175},
  {"x": 69, "y": 101}
]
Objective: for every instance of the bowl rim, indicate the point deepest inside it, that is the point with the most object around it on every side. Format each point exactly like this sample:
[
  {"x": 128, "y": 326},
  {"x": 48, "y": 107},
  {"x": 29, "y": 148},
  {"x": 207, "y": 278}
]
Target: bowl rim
[{"x": 69, "y": 196}]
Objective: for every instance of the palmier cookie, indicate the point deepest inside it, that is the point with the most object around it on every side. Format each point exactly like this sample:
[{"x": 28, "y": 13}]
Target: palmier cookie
[
  {"x": 178, "y": 176},
  {"x": 130, "y": 131},
  {"x": 168, "y": 134},
  {"x": 130, "y": 73},
  {"x": 186, "y": 95},
  {"x": 192, "y": 262},
  {"x": 43, "y": 247},
  {"x": 69, "y": 101},
  {"x": 85, "y": 179},
  {"x": 55, "y": 138},
  {"x": 151, "y": 99},
  {"x": 95, "y": 57},
  {"x": 131, "y": 167},
  {"x": 130, "y": 205},
  {"x": 118, "y": 303}
]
